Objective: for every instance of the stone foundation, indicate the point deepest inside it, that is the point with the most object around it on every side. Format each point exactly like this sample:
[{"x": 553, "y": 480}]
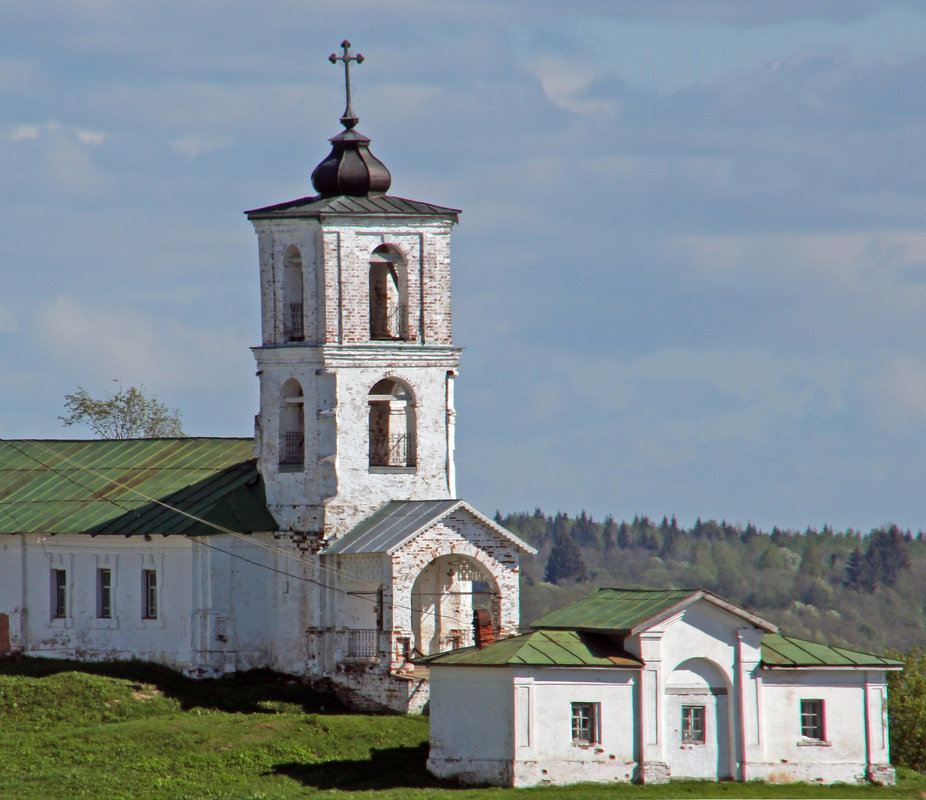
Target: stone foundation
[
  {"x": 652, "y": 772},
  {"x": 881, "y": 774}
]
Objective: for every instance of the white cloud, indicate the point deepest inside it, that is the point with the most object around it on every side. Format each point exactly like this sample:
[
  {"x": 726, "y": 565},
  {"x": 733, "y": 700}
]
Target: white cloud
[
  {"x": 194, "y": 145},
  {"x": 884, "y": 267},
  {"x": 22, "y": 133},
  {"x": 896, "y": 394},
  {"x": 103, "y": 342},
  {"x": 29, "y": 131},
  {"x": 566, "y": 82}
]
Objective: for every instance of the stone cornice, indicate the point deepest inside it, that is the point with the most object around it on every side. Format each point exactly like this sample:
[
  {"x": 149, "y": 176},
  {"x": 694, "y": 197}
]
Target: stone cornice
[{"x": 361, "y": 355}]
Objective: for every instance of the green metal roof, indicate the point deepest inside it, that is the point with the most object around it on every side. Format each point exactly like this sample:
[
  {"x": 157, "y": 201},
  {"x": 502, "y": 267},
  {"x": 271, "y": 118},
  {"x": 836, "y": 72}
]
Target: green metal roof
[
  {"x": 399, "y": 521},
  {"x": 779, "y": 651},
  {"x": 107, "y": 486},
  {"x": 541, "y": 649},
  {"x": 627, "y": 611}
]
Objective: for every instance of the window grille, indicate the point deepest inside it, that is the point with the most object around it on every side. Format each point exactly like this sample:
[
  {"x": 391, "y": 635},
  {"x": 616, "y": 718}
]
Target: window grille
[
  {"x": 363, "y": 643},
  {"x": 396, "y": 322},
  {"x": 293, "y": 450},
  {"x": 693, "y": 730},
  {"x": 294, "y": 328},
  {"x": 585, "y": 723},
  {"x": 149, "y": 582},
  {"x": 59, "y": 593},
  {"x": 812, "y": 719},
  {"x": 104, "y": 594},
  {"x": 397, "y": 454}
]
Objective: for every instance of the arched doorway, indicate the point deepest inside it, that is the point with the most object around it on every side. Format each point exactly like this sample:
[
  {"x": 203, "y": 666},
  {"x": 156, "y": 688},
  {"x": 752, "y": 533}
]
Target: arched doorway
[
  {"x": 444, "y": 596},
  {"x": 698, "y": 721}
]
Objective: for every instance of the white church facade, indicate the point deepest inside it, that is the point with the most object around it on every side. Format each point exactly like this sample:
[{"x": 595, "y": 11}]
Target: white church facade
[{"x": 332, "y": 545}]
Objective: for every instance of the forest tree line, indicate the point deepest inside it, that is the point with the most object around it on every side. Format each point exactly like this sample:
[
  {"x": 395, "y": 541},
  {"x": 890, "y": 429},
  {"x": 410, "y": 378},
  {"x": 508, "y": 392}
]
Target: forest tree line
[{"x": 839, "y": 587}]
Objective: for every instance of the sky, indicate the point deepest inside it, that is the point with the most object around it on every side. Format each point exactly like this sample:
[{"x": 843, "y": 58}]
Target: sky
[{"x": 689, "y": 277}]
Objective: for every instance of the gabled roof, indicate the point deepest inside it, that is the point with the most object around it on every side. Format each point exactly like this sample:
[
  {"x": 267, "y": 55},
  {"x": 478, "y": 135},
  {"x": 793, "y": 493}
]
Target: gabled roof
[
  {"x": 541, "y": 649},
  {"x": 629, "y": 611},
  {"x": 786, "y": 652},
  {"x": 343, "y": 205},
  {"x": 124, "y": 486},
  {"x": 400, "y": 521}
]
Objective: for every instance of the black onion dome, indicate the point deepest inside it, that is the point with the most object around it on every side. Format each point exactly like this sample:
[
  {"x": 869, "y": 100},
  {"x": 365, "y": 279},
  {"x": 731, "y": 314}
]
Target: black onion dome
[{"x": 350, "y": 168}]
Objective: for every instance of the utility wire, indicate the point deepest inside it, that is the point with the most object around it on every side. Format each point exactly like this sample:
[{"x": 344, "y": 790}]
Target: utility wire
[{"x": 334, "y": 572}]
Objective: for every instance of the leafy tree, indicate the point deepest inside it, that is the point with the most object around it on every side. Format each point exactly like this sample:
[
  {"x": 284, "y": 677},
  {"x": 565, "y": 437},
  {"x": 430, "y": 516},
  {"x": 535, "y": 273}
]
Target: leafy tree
[
  {"x": 127, "y": 414},
  {"x": 906, "y": 699}
]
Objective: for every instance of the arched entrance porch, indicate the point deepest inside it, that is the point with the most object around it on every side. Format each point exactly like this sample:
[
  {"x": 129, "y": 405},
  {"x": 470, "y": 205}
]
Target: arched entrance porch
[{"x": 444, "y": 597}]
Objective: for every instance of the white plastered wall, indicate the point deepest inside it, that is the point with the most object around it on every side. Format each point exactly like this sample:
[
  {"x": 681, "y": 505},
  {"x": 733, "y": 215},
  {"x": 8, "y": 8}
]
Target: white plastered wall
[{"x": 216, "y": 611}]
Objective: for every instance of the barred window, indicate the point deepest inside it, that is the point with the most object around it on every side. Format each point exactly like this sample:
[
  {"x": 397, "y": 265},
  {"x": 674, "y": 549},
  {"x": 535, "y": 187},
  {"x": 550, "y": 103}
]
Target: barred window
[
  {"x": 104, "y": 593},
  {"x": 149, "y": 601},
  {"x": 59, "y": 593},
  {"x": 812, "y": 719},
  {"x": 586, "y": 723},
  {"x": 693, "y": 731}
]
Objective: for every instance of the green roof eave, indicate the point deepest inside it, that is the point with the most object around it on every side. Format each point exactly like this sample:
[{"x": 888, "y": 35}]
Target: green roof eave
[
  {"x": 787, "y": 652},
  {"x": 544, "y": 648}
]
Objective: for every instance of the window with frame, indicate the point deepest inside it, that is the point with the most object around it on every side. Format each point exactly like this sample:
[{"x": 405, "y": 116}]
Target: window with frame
[
  {"x": 812, "y": 719},
  {"x": 59, "y": 593},
  {"x": 149, "y": 585},
  {"x": 693, "y": 729},
  {"x": 586, "y": 723},
  {"x": 104, "y": 593}
]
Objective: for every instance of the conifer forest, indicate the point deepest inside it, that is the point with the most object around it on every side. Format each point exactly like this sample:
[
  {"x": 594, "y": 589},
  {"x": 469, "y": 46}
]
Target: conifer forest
[{"x": 865, "y": 591}]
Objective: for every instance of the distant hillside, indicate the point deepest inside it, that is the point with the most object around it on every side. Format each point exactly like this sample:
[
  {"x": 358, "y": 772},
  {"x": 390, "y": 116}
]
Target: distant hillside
[{"x": 841, "y": 587}]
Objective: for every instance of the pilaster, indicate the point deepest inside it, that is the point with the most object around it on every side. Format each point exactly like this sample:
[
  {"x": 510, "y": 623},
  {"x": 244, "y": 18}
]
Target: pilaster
[{"x": 750, "y": 741}]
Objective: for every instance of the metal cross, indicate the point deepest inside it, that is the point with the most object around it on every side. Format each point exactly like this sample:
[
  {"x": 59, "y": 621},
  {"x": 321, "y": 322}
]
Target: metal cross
[{"x": 349, "y": 118}]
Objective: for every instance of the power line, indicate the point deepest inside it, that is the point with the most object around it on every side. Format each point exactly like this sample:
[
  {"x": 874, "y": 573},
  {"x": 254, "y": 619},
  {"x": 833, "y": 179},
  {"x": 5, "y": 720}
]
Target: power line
[{"x": 332, "y": 571}]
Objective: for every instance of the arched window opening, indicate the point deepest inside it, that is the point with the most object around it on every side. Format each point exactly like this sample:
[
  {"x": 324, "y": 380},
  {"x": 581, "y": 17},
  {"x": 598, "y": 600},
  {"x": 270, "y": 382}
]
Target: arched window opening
[
  {"x": 388, "y": 294},
  {"x": 445, "y": 596},
  {"x": 293, "y": 326},
  {"x": 292, "y": 426},
  {"x": 392, "y": 425}
]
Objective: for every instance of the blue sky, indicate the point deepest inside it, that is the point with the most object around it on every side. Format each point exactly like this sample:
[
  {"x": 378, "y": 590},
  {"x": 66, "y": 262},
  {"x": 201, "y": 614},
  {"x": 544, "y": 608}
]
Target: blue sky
[{"x": 690, "y": 275}]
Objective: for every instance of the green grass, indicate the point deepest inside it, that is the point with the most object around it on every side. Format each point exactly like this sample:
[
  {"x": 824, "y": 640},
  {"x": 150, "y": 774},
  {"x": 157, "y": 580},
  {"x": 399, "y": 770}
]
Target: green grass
[{"x": 140, "y": 731}]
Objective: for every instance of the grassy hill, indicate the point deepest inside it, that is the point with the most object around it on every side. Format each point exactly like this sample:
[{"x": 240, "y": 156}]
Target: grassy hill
[{"x": 136, "y": 730}]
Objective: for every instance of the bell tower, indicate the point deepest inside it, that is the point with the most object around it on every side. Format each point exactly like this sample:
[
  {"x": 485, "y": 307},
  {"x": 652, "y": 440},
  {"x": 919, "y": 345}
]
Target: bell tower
[{"x": 356, "y": 362}]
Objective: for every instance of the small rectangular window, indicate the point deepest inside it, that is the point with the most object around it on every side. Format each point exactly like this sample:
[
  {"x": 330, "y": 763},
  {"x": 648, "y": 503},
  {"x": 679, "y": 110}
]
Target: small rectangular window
[
  {"x": 59, "y": 593},
  {"x": 104, "y": 593},
  {"x": 693, "y": 731},
  {"x": 812, "y": 719},
  {"x": 149, "y": 594},
  {"x": 586, "y": 723}
]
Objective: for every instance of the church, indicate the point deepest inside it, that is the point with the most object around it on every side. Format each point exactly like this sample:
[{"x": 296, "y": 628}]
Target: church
[{"x": 332, "y": 545}]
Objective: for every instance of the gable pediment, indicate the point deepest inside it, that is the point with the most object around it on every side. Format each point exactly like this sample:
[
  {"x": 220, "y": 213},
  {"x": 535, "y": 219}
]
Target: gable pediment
[{"x": 399, "y": 522}]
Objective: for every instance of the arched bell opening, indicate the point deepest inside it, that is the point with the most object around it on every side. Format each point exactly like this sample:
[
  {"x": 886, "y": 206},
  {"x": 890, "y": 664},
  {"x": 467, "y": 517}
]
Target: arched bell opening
[
  {"x": 292, "y": 426},
  {"x": 388, "y": 294},
  {"x": 293, "y": 300},
  {"x": 445, "y": 596},
  {"x": 392, "y": 425}
]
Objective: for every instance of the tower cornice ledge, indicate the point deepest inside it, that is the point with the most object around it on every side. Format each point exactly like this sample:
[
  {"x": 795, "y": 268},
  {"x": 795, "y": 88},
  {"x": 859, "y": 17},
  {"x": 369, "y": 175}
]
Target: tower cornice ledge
[{"x": 362, "y": 355}]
